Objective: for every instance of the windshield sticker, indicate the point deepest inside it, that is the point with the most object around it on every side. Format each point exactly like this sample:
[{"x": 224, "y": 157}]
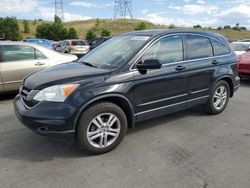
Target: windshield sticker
[{"x": 140, "y": 38}]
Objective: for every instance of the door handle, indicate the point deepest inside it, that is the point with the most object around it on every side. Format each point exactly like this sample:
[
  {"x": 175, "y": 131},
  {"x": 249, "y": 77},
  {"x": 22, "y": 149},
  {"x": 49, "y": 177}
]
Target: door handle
[
  {"x": 39, "y": 64},
  {"x": 215, "y": 62},
  {"x": 180, "y": 68}
]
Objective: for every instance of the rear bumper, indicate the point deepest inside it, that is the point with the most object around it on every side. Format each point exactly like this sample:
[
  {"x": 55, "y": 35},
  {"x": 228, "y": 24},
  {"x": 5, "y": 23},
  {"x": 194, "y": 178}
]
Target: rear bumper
[
  {"x": 244, "y": 69},
  {"x": 244, "y": 75},
  {"x": 48, "y": 125}
]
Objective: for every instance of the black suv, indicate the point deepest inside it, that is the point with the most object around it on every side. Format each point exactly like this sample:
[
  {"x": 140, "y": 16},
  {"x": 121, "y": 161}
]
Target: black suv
[{"x": 130, "y": 78}]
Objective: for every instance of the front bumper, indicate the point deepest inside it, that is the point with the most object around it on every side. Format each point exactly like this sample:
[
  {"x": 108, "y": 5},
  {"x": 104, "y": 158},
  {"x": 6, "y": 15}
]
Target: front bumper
[{"x": 47, "y": 119}]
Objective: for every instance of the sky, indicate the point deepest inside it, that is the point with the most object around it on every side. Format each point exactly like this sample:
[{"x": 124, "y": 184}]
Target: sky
[{"x": 207, "y": 13}]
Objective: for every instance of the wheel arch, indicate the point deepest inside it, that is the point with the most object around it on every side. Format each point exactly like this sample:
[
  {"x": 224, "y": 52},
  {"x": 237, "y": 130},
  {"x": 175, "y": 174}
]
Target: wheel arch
[
  {"x": 118, "y": 99},
  {"x": 229, "y": 81}
]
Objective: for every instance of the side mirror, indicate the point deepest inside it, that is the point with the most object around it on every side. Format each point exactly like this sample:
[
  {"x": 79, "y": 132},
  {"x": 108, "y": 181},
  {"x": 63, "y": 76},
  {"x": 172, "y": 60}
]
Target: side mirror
[{"x": 149, "y": 64}]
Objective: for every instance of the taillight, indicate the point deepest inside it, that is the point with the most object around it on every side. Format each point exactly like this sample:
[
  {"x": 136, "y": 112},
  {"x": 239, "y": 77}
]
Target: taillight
[{"x": 71, "y": 46}]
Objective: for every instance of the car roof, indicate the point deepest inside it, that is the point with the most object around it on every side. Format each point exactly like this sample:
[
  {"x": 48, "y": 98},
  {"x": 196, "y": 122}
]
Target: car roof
[
  {"x": 240, "y": 42},
  {"x": 19, "y": 43},
  {"x": 159, "y": 32}
]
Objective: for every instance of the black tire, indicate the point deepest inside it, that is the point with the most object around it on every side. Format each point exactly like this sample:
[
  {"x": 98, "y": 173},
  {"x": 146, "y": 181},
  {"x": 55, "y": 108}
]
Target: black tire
[
  {"x": 85, "y": 122},
  {"x": 210, "y": 106}
]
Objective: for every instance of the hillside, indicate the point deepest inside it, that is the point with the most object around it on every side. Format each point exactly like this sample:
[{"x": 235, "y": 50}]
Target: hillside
[{"x": 120, "y": 26}]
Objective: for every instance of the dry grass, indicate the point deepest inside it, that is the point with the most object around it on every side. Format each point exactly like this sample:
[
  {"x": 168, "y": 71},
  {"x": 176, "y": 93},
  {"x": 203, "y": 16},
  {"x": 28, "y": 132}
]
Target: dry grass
[{"x": 120, "y": 26}]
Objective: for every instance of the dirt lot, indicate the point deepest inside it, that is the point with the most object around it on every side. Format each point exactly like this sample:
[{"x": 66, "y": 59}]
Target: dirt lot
[{"x": 189, "y": 149}]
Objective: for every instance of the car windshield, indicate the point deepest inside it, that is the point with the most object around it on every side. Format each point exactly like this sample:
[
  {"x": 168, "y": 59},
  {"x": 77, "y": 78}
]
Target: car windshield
[
  {"x": 240, "y": 47},
  {"x": 114, "y": 52}
]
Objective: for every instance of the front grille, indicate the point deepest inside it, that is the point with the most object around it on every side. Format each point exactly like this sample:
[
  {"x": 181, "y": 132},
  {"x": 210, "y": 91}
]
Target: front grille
[{"x": 27, "y": 96}]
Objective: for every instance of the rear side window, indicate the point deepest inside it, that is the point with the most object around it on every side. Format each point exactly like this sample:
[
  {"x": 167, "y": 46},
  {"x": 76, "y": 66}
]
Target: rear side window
[
  {"x": 219, "y": 48},
  {"x": 39, "y": 55},
  {"x": 199, "y": 47},
  {"x": 18, "y": 53}
]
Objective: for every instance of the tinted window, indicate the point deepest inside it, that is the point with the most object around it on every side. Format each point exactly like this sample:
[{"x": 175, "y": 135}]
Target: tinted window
[
  {"x": 219, "y": 48},
  {"x": 79, "y": 43},
  {"x": 166, "y": 50},
  {"x": 18, "y": 53},
  {"x": 199, "y": 47},
  {"x": 39, "y": 55}
]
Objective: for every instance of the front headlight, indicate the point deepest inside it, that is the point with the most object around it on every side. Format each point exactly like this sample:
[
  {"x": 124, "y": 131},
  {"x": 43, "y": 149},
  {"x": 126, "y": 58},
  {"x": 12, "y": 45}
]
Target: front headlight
[{"x": 57, "y": 93}]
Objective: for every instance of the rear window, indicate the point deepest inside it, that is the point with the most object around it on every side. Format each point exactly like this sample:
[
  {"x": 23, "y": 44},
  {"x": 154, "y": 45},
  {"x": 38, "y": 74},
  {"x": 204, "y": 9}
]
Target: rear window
[
  {"x": 199, "y": 47},
  {"x": 18, "y": 53},
  {"x": 79, "y": 43},
  {"x": 219, "y": 48}
]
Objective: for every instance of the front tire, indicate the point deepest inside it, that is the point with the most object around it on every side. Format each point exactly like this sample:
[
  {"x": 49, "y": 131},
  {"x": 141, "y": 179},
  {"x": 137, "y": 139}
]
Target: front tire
[
  {"x": 101, "y": 128},
  {"x": 219, "y": 98}
]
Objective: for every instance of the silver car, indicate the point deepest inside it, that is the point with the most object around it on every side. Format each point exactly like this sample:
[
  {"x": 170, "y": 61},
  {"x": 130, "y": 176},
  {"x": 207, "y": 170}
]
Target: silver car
[
  {"x": 76, "y": 47},
  {"x": 18, "y": 59}
]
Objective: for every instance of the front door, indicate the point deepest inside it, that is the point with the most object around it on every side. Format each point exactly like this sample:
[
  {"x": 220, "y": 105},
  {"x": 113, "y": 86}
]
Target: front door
[
  {"x": 19, "y": 61},
  {"x": 162, "y": 91}
]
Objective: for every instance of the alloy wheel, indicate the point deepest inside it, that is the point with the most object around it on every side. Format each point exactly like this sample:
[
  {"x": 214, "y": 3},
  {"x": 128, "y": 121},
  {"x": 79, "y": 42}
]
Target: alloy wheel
[{"x": 103, "y": 130}]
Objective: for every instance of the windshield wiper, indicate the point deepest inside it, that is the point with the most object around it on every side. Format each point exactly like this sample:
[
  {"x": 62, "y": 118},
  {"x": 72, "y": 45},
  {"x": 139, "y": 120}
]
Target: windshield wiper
[{"x": 89, "y": 64}]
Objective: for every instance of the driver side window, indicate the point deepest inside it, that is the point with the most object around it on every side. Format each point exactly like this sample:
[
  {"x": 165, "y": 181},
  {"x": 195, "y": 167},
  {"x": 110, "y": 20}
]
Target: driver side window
[{"x": 166, "y": 50}]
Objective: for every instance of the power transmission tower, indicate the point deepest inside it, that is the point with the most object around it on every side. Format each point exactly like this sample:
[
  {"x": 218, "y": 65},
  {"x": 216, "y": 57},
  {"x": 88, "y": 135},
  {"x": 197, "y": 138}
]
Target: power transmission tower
[
  {"x": 59, "y": 9},
  {"x": 123, "y": 9}
]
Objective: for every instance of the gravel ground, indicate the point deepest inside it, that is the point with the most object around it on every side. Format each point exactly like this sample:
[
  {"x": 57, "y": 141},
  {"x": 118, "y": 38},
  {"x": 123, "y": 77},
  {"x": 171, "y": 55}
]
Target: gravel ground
[{"x": 189, "y": 149}]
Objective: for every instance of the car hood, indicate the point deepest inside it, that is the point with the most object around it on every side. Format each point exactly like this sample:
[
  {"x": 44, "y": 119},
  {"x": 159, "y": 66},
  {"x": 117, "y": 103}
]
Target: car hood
[
  {"x": 61, "y": 74},
  {"x": 62, "y": 58}
]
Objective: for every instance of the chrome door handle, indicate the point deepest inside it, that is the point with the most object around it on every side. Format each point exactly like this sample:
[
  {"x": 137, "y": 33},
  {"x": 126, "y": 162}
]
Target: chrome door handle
[
  {"x": 215, "y": 62},
  {"x": 180, "y": 68},
  {"x": 39, "y": 64}
]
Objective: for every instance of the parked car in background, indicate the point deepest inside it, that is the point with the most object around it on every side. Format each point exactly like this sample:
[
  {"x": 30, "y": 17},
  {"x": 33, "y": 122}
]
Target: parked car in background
[
  {"x": 76, "y": 47},
  {"x": 244, "y": 65},
  {"x": 240, "y": 47},
  {"x": 18, "y": 59},
  {"x": 130, "y": 78},
  {"x": 43, "y": 42},
  {"x": 96, "y": 42}
]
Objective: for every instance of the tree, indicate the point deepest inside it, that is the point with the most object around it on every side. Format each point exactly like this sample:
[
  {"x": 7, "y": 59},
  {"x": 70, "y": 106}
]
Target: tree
[
  {"x": 237, "y": 27},
  {"x": 72, "y": 33},
  {"x": 227, "y": 27},
  {"x": 43, "y": 30},
  {"x": 105, "y": 33},
  {"x": 141, "y": 26},
  {"x": 219, "y": 28},
  {"x": 9, "y": 28},
  {"x": 197, "y": 26},
  {"x": 171, "y": 26},
  {"x": 90, "y": 35},
  {"x": 97, "y": 23},
  {"x": 26, "y": 26},
  {"x": 55, "y": 31}
]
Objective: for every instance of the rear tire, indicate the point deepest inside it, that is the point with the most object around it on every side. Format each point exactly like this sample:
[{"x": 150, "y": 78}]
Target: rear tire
[
  {"x": 101, "y": 128},
  {"x": 219, "y": 98}
]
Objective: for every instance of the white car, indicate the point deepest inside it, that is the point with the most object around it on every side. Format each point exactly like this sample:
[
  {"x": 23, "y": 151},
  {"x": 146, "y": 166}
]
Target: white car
[
  {"x": 18, "y": 59},
  {"x": 240, "y": 47}
]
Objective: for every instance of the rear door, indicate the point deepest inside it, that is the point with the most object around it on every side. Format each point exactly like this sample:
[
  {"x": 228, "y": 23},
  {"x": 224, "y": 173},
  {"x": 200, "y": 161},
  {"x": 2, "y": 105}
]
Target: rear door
[
  {"x": 201, "y": 68},
  {"x": 18, "y": 62}
]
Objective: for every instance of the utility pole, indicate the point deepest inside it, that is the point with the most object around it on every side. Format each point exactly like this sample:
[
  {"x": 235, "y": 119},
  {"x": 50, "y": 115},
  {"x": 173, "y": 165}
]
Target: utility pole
[
  {"x": 59, "y": 9},
  {"x": 123, "y": 9}
]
